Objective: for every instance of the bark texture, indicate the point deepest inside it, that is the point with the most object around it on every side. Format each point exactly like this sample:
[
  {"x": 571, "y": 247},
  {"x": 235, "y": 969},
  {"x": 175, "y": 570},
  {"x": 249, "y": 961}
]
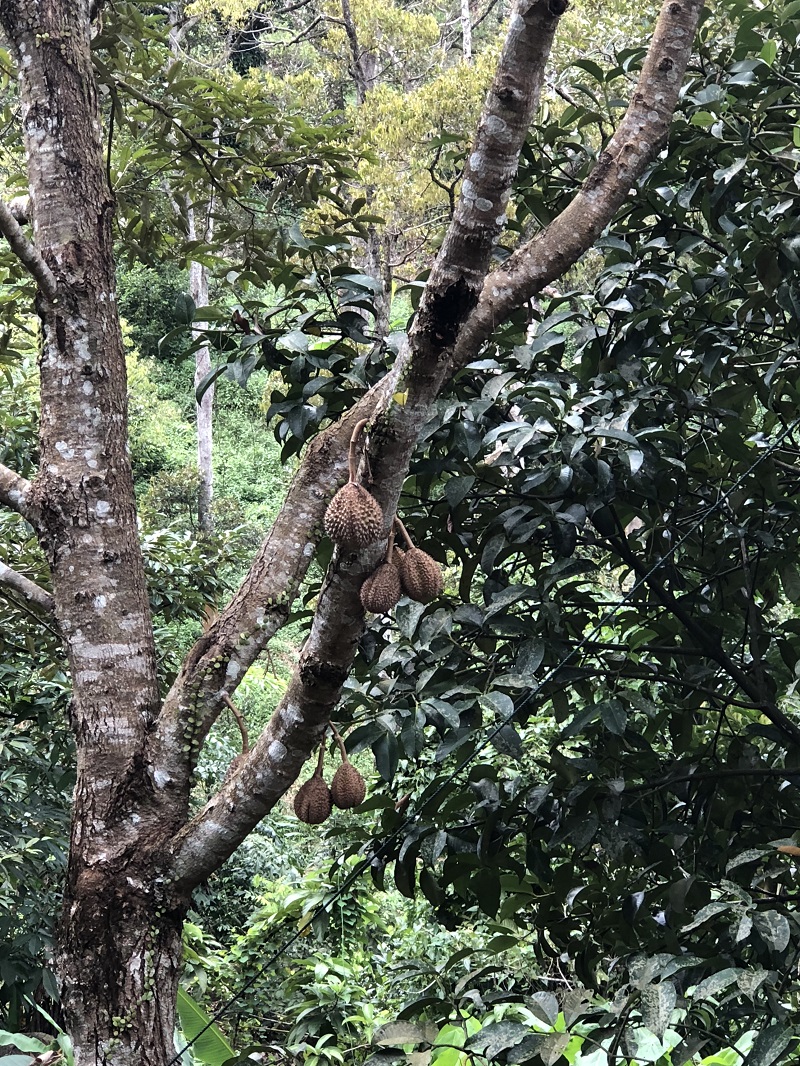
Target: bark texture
[
  {"x": 15, "y": 492},
  {"x": 198, "y": 290}
]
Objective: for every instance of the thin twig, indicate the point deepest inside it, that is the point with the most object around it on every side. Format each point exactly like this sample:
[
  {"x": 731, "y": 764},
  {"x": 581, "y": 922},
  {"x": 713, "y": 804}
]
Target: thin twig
[
  {"x": 353, "y": 453},
  {"x": 237, "y": 714}
]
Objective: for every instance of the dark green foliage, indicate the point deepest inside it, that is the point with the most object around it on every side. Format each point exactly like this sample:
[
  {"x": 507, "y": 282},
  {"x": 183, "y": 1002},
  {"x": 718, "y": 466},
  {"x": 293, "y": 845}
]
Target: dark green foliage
[
  {"x": 147, "y": 296},
  {"x": 631, "y": 804}
]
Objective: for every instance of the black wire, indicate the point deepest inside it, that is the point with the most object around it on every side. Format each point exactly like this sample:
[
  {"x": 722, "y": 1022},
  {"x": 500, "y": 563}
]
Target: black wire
[{"x": 360, "y": 867}]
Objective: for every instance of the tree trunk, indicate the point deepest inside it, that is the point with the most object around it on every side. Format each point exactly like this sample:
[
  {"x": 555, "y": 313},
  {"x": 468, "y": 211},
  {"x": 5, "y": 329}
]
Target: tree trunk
[
  {"x": 466, "y": 31},
  {"x": 198, "y": 290},
  {"x": 119, "y": 944},
  {"x": 363, "y": 64},
  {"x": 119, "y": 960}
]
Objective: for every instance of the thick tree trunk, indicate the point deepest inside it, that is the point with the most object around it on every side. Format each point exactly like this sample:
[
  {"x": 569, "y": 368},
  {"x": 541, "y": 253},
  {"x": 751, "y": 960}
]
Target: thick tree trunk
[
  {"x": 120, "y": 959},
  {"x": 118, "y": 943}
]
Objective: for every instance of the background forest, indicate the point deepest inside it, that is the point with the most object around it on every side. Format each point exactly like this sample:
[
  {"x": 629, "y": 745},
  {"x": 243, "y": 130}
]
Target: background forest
[{"x": 581, "y": 834}]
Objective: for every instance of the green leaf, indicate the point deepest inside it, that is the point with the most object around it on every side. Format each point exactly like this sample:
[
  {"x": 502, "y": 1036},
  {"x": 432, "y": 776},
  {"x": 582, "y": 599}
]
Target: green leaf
[
  {"x": 395, "y": 1034},
  {"x": 769, "y": 1046},
  {"x": 545, "y": 1006},
  {"x": 551, "y": 1047},
  {"x": 769, "y": 52},
  {"x": 211, "y": 1048},
  {"x": 497, "y": 1037},
  {"x": 709, "y": 911},
  {"x": 24, "y": 1043},
  {"x": 184, "y": 309},
  {"x": 614, "y": 717},
  {"x": 716, "y": 983},
  {"x": 658, "y": 1002},
  {"x": 773, "y": 928},
  {"x": 387, "y": 756}
]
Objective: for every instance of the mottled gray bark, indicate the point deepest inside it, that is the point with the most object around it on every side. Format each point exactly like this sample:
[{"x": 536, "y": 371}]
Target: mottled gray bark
[
  {"x": 466, "y": 31},
  {"x": 198, "y": 290},
  {"x": 15, "y": 492}
]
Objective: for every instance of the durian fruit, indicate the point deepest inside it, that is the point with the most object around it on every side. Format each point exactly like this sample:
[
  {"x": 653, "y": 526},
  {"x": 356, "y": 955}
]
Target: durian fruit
[
  {"x": 354, "y": 518},
  {"x": 313, "y": 802},
  {"x": 348, "y": 787},
  {"x": 420, "y": 576},
  {"x": 381, "y": 591}
]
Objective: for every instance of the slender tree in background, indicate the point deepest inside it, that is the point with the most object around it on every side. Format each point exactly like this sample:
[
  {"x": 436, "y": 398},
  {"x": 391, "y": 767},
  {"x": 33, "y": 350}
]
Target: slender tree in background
[
  {"x": 136, "y": 854},
  {"x": 198, "y": 291}
]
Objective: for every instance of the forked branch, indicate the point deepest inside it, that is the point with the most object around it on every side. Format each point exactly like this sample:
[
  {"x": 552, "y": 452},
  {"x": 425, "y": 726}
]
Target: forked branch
[
  {"x": 452, "y": 291},
  {"x": 641, "y": 133}
]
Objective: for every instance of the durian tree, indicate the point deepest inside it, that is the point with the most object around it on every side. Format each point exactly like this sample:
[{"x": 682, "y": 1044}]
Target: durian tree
[{"x": 136, "y": 853}]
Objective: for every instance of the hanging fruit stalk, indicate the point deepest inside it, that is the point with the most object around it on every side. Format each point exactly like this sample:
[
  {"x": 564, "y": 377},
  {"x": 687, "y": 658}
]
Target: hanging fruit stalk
[
  {"x": 348, "y": 787},
  {"x": 420, "y": 576},
  {"x": 381, "y": 591},
  {"x": 354, "y": 518},
  {"x": 313, "y": 802}
]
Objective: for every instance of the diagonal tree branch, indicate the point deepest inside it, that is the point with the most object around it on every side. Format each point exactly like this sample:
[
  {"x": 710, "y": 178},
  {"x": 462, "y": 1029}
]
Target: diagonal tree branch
[
  {"x": 33, "y": 594},
  {"x": 27, "y": 253},
  {"x": 639, "y": 136},
  {"x": 15, "y": 492},
  {"x": 451, "y": 293}
]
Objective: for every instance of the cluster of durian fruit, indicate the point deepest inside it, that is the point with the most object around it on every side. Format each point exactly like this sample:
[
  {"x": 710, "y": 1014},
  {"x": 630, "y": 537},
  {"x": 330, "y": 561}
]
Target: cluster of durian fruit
[
  {"x": 354, "y": 520},
  {"x": 315, "y": 800}
]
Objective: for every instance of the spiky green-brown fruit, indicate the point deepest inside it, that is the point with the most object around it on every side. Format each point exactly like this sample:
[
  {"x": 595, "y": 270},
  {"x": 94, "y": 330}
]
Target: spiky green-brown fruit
[
  {"x": 348, "y": 787},
  {"x": 354, "y": 518},
  {"x": 313, "y": 802},
  {"x": 381, "y": 591},
  {"x": 420, "y": 576}
]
